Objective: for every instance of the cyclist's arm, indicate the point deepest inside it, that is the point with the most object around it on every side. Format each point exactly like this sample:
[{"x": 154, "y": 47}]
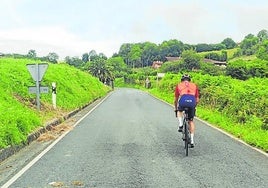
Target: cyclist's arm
[
  {"x": 176, "y": 97},
  {"x": 197, "y": 95}
]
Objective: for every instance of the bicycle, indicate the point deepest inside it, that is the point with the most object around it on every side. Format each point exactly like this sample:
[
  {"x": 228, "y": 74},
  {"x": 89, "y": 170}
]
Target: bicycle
[{"x": 186, "y": 136}]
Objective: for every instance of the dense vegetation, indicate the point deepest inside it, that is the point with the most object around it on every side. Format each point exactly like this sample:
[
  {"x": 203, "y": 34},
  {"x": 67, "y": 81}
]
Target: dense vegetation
[
  {"x": 234, "y": 96},
  {"x": 19, "y": 116},
  {"x": 238, "y": 107}
]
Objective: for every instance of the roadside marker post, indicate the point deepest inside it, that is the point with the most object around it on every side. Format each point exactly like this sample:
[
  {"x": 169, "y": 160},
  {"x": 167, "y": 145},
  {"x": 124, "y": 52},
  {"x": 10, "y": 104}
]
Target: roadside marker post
[
  {"x": 54, "y": 92},
  {"x": 37, "y": 72}
]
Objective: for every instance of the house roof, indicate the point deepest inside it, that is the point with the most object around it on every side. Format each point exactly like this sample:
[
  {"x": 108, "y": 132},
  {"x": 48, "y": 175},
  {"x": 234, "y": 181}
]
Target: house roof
[
  {"x": 172, "y": 58},
  {"x": 215, "y": 62}
]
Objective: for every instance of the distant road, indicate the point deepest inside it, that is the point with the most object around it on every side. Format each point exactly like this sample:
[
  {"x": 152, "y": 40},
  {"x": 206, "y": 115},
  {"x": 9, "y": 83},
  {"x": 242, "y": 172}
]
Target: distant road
[{"x": 131, "y": 140}]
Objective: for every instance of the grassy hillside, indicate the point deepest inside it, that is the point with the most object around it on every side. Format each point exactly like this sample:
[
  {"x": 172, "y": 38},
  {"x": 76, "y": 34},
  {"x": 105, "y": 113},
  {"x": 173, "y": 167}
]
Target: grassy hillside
[
  {"x": 19, "y": 116},
  {"x": 239, "y": 107},
  {"x": 230, "y": 52}
]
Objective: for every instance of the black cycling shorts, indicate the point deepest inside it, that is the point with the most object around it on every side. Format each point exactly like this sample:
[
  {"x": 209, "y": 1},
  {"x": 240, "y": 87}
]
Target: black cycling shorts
[{"x": 190, "y": 112}]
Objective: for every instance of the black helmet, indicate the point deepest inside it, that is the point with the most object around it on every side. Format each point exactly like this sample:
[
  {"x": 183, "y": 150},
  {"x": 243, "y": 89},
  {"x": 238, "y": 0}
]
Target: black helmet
[{"x": 186, "y": 77}]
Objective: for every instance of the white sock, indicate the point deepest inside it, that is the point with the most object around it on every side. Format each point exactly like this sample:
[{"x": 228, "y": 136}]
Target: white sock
[
  {"x": 192, "y": 138},
  {"x": 180, "y": 121}
]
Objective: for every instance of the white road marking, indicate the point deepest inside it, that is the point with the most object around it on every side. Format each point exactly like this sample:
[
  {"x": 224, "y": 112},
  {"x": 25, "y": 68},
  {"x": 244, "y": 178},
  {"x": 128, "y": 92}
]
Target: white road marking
[
  {"x": 31, "y": 163},
  {"x": 221, "y": 130}
]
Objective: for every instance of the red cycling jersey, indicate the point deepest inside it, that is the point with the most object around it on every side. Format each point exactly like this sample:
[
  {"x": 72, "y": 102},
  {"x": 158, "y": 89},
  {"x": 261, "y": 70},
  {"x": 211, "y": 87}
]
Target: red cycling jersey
[{"x": 187, "y": 87}]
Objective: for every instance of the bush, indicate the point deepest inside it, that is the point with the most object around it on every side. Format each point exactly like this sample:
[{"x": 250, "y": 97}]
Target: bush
[{"x": 244, "y": 70}]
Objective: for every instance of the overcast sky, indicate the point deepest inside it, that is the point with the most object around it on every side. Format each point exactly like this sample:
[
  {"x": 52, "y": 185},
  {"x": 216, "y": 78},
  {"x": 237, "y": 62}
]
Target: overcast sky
[{"x": 74, "y": 27}]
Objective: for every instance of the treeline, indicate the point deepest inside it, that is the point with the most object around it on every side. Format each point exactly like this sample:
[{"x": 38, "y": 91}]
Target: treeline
[
  {"x": 140, "y": 55},
  {"x": 144, "y": 54},
  {"x": 52, "y": 57}
]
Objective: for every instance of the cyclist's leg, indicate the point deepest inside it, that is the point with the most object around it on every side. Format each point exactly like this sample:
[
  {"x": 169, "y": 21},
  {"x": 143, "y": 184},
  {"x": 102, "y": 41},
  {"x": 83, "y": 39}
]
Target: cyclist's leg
[
  {"x": 191, "y": 115},
  {"x": 180, "y": 118}
]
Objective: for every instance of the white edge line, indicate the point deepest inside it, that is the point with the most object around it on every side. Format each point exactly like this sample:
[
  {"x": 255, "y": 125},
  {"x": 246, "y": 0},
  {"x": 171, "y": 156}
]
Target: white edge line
[
  {"x": 222, "y": 131},
  {"x": 31, "y": 163},
  {"x": 232, "y": 136}
]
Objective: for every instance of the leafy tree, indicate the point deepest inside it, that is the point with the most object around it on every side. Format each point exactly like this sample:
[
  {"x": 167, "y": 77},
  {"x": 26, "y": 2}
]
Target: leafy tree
[
  {"x": 172, "y": 67},
  {"x": 92, "y": 53},
  {"x": 191, "y": 60},
  {"x": 117, "y": 66},
  {"x": 262, "y": 52},
  {"x": 211, "y": 69},
  {"x": 262, "y": 35},
  {"x": 219, "y": 46},
  {"x": 149, "y": 53},
  {"x": 229, "y": 43},
  {"x": 244, "y": 70},
  {"x": 85, "y": 57},
  {"x": 52, "y": 57},
  {"x": 217, "y": 56},
  {"x": 135, "y": 56},
  {"x": 31, "y": 54},
  {"x": 103, "y": 56},
  {"x": 74, "y": 61},
  {"x": 124, "y": 52},
  {"x": 203, "y": 47},
  {"x": 171, "y": 48},
  {"x": 99, "y": 68},
  {"x": 248, "y": 45}
]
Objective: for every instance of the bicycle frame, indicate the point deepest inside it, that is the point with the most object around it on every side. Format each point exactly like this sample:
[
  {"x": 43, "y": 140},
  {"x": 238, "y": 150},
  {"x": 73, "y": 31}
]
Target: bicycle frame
[{"x": 186, "y": 136}]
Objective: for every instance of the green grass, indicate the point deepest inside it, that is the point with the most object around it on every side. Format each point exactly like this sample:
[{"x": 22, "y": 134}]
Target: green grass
[
  {"x": 230, "y": 52},
  {"x": 245, "y": 58},
  {"x": 238, "y": 107},
  {"x": 19, "y": 115}
]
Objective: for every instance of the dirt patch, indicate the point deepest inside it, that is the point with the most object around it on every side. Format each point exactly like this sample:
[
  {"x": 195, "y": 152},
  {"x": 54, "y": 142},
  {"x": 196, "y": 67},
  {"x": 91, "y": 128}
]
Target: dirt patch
[{"x": 54, "y": 133}]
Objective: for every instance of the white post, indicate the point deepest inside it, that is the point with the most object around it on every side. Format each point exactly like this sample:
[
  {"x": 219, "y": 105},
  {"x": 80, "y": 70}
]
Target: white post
[
  {"x": 54, "y": 99},
  {"x": 37, "y": 87}
]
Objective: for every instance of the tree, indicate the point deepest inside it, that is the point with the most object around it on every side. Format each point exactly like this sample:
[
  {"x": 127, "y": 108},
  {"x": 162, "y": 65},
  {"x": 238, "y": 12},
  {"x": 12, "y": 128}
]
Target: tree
[
  {"x": 262, "y": 35},
  {"x": 172, "y": 48},
  {"x": 92, "y": 53},
  {"x": 74, "y": 61},
  {"x": 202, "y": 47},
  {"x": 52, "y": 57},
  {"x": 149, "y": 53},
  {"x": 99, "y": 68},
  {"x": 117, "y": 66},
  {"x": 191, "y": 60},
  {"x": 103, "y": 56},
  {"x": 249, "y": 44},
  {"x": 262, "y": 52},
  {"x": 124, "y": 52},
  {"x": 31, "y": 54},
  {"x": 229, "y": 43},
  {"x": 135, "y": 56},
  {"x": 85, "y": 57}
]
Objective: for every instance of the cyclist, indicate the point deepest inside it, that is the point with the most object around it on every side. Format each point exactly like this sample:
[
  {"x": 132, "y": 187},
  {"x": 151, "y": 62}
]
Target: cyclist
[{"x": 186, "y": 95}]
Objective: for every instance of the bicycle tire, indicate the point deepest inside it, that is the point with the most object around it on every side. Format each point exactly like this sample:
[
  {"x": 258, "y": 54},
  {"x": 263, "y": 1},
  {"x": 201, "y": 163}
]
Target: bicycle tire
[{"x": 186, "y": 140}]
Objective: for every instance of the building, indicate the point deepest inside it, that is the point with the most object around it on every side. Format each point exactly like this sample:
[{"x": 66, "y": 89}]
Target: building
[{"x": 157, "y": 64}]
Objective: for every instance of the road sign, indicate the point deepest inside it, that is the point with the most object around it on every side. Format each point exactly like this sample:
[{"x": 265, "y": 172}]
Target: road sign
[
  {"x": 37, "y": 71},
  {"x": 160, "y": 75},
  {"x": 42, "y": 89}
]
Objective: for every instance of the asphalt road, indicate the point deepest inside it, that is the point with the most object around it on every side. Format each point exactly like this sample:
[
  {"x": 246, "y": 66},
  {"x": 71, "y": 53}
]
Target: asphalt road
[{"x": 131, "y": 140}]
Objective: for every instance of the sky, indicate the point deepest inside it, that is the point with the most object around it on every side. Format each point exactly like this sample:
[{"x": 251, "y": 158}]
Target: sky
[{"x": 74, "y": 27}]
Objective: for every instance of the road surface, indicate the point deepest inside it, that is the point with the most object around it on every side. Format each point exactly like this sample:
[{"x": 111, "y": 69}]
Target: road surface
[{"x": 130, "y": 140}]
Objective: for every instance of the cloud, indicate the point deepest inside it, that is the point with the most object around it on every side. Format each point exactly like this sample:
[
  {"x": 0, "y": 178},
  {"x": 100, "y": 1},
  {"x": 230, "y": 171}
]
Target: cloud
[
  {"x": 71, "y": 28},
  {"x": 48, "y": 39}
]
